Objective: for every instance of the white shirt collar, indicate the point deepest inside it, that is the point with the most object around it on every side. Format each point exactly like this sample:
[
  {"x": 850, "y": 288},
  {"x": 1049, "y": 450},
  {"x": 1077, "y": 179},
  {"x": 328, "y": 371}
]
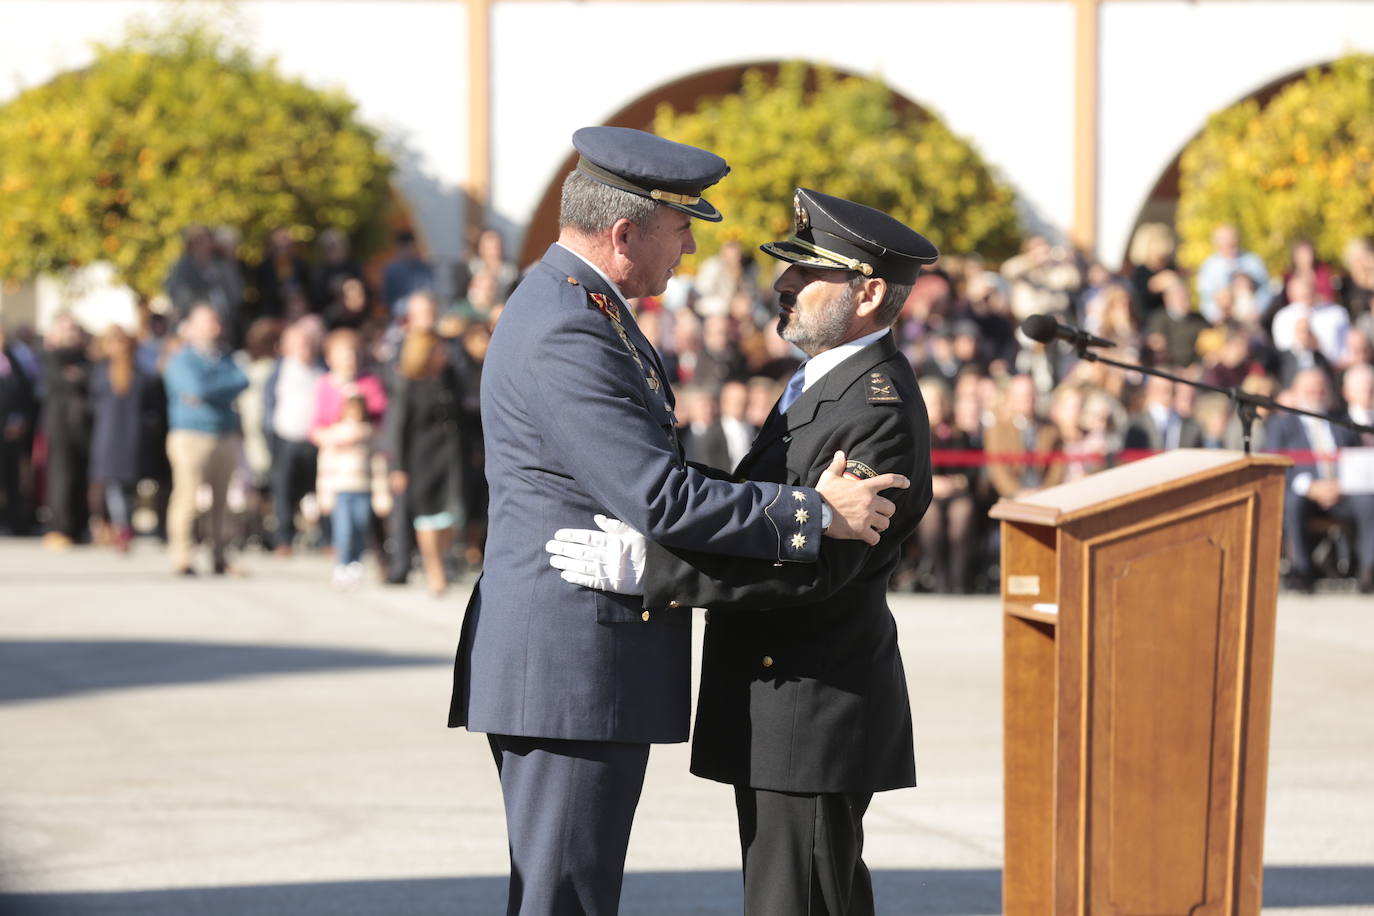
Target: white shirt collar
[
  {"x": 817, "y": 366},
  {"x": 609, "y": 282}
]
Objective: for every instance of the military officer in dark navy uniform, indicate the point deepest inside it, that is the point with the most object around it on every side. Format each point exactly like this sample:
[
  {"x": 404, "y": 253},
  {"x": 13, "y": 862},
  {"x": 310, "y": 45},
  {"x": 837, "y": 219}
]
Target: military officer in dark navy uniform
[
  {"x": 803, "y": 704},
  {"x": 572, "y": 685}
]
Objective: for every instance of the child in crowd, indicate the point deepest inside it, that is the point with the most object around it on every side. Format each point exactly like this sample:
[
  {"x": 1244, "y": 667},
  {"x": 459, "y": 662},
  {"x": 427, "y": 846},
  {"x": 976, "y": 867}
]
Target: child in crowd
[{"x": 344, "y": 487}]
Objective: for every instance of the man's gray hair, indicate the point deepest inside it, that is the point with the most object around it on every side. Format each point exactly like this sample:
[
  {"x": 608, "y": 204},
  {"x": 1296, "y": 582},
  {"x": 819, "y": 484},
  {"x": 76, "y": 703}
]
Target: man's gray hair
[
  {"x": 592, "y": 207},
  {"x": 893, "y": 300}
]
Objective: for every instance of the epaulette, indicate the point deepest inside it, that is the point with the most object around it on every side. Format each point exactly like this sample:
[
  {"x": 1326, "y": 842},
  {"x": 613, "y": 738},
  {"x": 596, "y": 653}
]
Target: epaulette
[{"x": 881, "y": 390}]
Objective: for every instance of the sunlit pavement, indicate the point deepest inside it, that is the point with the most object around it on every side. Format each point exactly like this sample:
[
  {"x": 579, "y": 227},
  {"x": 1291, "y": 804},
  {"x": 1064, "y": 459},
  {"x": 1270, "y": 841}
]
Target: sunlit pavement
[{"x": 267, "y": 744}]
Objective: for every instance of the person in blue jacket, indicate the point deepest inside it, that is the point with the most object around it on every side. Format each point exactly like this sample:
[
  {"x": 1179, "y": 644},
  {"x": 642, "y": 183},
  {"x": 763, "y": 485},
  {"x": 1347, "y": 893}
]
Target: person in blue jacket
[
  {"x": 573, "y": 685},
  {"x": 203, "y": 440}
]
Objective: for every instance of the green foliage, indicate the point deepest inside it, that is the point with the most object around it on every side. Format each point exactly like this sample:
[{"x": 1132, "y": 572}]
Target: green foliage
[
  {"x": 843, "y": 136},
  {"x": 1299, "y": 168},
  {"x": 169, "y": 129}
]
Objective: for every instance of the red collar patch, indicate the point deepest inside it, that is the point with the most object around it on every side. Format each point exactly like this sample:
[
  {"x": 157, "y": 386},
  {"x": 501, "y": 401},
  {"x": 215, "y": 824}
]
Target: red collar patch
[{"x": 608, "y": 308}]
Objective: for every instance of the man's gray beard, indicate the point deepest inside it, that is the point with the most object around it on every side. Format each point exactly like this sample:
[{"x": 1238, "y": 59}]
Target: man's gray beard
[{"x": 824, "y": 329}]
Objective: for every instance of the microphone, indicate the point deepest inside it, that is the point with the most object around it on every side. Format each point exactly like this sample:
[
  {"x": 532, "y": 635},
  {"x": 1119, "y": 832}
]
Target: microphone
[{"x": 1044, "y": 328}]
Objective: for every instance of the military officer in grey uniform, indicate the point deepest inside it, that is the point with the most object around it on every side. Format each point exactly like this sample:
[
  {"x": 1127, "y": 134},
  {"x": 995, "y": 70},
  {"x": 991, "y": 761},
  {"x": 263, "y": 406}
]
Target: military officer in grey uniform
[
  {"x": 570, "y": 685},
  {"x": 803, "y": 704}
]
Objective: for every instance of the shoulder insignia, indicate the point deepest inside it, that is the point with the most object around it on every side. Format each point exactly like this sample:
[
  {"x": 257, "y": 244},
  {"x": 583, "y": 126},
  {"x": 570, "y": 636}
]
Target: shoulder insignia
[
  {"x": 859, "y": 471},
  {"x": 880, "y": 390},
  {"x": 572, "y": 281},
  {"x": 608, "y": 308}
]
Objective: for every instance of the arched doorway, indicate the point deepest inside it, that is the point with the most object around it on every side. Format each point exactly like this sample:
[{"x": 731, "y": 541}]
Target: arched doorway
[
  {"x": 1161, "y": 204},
  {"x": 542, "y": 227}
]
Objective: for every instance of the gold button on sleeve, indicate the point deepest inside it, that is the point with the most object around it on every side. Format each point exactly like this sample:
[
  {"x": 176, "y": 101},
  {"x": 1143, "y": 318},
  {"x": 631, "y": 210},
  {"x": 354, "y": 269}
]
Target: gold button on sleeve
[
  {"x": 768, "y": 661},
  {"x": 645, "y": 616},
  {"x": 674, "y": 604}
]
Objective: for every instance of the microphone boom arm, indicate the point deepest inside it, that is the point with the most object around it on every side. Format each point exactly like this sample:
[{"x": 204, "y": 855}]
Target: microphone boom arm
[{"x": 1247, "y": 404}]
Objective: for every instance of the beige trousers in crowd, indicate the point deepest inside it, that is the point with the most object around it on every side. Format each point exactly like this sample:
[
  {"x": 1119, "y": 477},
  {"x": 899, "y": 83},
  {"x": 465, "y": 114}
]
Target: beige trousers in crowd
[{"x": 198, "y": 458}]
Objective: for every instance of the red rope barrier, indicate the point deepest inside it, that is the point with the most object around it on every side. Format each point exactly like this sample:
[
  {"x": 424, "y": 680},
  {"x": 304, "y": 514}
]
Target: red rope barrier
[{"x": 976, "y": 458}]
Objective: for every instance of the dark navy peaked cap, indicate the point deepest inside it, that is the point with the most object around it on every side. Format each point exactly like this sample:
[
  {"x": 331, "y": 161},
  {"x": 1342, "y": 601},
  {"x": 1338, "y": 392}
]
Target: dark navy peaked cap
[
  {"x": 831, "y": 233},
  {"x": 674, "y": 174}
]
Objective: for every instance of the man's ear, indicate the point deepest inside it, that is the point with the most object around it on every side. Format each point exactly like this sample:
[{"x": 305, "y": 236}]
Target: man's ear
[
  {"x": 621, "y": 233},
  {"x": 871, "y": 293}
]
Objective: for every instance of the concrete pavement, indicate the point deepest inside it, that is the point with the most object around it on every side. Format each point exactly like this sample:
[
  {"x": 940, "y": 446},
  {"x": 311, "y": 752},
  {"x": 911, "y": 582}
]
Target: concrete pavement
[{"x": 268, "y": 745}]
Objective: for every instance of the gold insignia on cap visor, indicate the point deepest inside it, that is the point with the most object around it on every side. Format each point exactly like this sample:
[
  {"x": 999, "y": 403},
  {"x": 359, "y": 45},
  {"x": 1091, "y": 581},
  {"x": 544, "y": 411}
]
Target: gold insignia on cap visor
[
  {"x": 672, "y": 198},
  {"x": 833, "y": 256},
  {"x": 606, "y": 176},
  {"x": 801, "y": 218}
]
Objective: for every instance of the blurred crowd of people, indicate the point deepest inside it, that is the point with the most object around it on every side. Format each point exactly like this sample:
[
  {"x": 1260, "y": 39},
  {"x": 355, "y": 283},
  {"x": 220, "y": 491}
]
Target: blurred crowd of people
[{"x": 294, "y": 404}]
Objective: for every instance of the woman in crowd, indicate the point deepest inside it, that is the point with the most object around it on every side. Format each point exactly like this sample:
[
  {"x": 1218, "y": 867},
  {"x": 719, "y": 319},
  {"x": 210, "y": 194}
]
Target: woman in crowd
[
  {"x": 1152, "y": 254},
  {"x": 946, "y": 534},
  {"x": 426, "y": 417},
  {"x": 1081, "y": 455},
  {"x": 125, "y": 400}
]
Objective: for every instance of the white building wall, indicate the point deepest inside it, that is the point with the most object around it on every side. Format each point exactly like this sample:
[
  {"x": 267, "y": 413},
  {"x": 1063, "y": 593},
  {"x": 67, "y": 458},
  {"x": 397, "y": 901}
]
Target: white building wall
[
  {"x": 1167, "y": 65},
  {"x": 1000, "y": 74},
  {"x": 402, "y": 61}
]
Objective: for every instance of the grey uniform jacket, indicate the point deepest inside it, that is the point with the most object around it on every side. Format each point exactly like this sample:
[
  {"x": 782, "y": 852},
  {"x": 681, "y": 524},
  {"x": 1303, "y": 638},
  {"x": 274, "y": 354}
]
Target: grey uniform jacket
[
  {"x": 802, "y": 684},
  {"x": 578, "y": 420}
]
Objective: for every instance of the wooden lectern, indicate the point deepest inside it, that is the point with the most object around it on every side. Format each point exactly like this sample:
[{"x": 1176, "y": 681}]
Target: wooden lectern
[{"x": 1139, "y": 645}]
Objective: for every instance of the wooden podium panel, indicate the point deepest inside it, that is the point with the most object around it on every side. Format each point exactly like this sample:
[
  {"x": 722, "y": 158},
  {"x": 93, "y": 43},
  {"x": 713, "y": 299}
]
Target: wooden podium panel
[{"x": 1137, "y": 658}]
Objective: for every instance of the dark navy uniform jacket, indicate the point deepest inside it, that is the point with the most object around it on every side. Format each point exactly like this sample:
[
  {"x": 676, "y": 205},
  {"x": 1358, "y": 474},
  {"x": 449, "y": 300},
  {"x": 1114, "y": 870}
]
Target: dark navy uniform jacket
[
  {"x": 802, "y": 685},
  {"x": 578, "y": 420}
]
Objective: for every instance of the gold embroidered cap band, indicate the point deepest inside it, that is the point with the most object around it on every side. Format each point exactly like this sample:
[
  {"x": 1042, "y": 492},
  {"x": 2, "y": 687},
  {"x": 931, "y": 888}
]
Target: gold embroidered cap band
[
  {"x": 672, "y": 198},
  {"x": 833, "y": 256}
]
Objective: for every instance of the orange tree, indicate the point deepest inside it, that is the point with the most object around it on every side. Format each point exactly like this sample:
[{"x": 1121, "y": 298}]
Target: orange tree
[
  {"x": 1301, "y": 166},
  {"x": 842, "y": 135},
  {"x": 171, "y": 128}
]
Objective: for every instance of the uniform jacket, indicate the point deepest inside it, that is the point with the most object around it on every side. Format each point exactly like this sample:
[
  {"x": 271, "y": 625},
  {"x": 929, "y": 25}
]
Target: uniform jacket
[
  {"x": 802, "y": 686},
  {"x": 578, "y": 420}
]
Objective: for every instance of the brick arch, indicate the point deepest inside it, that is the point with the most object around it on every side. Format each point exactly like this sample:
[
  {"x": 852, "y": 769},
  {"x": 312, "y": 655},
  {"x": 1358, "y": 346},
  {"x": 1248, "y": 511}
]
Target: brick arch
[
  {"x": 1161, "y": 204},
  {"x": 542, "y": 226}
]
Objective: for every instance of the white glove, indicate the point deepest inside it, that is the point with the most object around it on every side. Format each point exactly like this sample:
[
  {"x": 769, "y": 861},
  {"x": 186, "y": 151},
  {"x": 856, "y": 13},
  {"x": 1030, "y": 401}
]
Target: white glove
[{"x": 610, "y": 560}]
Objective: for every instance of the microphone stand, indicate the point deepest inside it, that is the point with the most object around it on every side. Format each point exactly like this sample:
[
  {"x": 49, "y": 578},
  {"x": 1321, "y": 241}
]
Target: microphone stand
[{"x": 1247, "y": 404}]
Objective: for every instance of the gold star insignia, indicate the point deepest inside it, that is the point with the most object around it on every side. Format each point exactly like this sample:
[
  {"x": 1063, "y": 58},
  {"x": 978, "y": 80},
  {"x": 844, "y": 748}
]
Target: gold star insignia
[
  {"x": 798, "y": 541},
  {"x": 802, "y": 516},
  {"x": 799, "y": 496}
]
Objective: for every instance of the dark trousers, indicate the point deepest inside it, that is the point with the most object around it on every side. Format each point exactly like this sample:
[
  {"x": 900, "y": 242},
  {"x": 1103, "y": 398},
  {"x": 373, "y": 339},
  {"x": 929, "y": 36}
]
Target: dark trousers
[
  {"x": 293, "y": 476},
  {"x": 18, "y": 515},
  {"x": 569, "y": 807},
  {"x": 803, "y": 854},
  {"x": 68, "y": 500},
  {"x": 400, "y": 540},
  {"x": 1358, "y": 509}
]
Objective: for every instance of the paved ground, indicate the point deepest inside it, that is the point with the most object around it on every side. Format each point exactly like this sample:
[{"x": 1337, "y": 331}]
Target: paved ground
[{"x": 268, "y": 746}]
